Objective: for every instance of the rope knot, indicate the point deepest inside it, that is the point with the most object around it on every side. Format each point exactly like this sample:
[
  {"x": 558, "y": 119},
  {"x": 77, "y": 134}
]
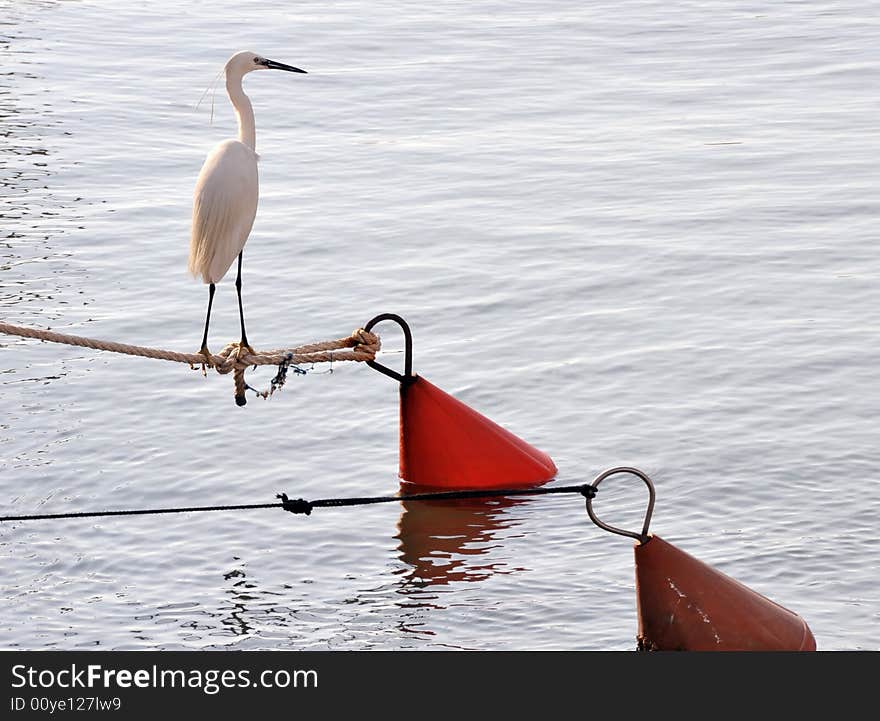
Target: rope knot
[
  {"x": 298, "y": 505},
  {"x": 365, "y": 342},
  {"x": 229, "y": 359},
  {"x": 588, "y": 491}
]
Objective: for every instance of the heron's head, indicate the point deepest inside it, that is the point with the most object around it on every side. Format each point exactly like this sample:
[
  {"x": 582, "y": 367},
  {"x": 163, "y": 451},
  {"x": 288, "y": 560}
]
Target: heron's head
[{"x": 244, "y": 61}]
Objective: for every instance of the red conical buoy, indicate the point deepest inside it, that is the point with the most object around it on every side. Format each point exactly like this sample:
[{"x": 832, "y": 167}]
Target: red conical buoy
[
  {"x": 688, "y": 606},
  {"x": 446, "y": 444}
]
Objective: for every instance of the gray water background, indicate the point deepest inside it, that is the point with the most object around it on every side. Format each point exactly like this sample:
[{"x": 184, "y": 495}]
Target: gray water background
[{"x": 631, "y": 232}]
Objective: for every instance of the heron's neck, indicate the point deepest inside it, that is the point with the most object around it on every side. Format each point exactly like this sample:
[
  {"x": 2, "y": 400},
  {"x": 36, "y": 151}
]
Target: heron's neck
[{"x": 247, "y": 132}]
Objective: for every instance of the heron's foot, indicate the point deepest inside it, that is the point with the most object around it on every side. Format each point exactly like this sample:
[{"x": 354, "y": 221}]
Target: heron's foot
[
  {"x": 209, "y": 359},
  {"x": 244, "y": 348}
]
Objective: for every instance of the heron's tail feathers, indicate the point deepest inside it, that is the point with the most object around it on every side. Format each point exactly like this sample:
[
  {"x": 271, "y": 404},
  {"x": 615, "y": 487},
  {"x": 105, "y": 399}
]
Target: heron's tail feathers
[{"x": 198, "y": 263}]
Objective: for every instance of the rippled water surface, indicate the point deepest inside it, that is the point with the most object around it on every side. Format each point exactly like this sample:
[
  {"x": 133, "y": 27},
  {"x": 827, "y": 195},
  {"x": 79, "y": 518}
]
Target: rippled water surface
[{"x": 630, "y": 233}]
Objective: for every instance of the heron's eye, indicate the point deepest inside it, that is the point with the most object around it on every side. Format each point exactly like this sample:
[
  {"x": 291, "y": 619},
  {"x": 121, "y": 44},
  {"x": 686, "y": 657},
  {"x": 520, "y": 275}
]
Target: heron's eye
[{"x": 258, "y": 61}]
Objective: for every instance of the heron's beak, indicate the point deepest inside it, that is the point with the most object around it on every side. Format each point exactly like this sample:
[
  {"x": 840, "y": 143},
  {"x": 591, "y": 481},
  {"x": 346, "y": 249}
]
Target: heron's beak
[{"x": 274, "y": 65}]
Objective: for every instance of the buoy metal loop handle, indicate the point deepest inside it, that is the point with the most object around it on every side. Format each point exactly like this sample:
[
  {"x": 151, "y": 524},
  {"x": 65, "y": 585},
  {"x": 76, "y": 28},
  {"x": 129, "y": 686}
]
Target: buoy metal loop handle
[
  {"x": 641, "y": 537},
  {"x": 407, "y": 334}
]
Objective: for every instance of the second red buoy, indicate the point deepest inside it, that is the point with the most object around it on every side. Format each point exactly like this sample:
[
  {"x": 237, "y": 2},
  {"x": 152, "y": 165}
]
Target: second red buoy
[{"x": 686, "y": 605}]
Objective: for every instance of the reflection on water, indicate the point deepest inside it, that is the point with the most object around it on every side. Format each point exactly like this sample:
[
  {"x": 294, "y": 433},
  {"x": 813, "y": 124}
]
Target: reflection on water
[
  {"x": 443, "y": 541},
  {"x": 251, "y": 607},
  {"x": 235, "y": 620}
]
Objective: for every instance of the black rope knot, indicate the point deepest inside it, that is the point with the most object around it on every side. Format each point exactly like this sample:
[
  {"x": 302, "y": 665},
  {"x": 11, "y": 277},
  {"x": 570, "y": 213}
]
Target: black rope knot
[
  {"x": 588, "y": 491},
  {"x": 298, "y": 505}
]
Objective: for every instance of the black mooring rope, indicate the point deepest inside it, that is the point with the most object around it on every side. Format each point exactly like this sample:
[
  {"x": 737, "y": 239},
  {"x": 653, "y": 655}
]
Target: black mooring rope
[
  {"x": 139, "y": 512},
  {"x": 300, "y": 505}
]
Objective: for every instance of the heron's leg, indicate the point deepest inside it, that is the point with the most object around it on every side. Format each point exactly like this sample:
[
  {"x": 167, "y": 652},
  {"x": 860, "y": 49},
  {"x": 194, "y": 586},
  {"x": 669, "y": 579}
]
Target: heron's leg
[
  {"x": 204, "y": 349},
  {"x": 244, "y": 342}
]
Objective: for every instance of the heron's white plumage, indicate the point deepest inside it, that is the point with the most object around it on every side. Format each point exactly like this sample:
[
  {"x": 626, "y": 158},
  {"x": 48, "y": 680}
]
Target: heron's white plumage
[
  {"x": 224, "y": 208},
  {"x": 227, "y": 192},
  {"x": 225, "y": 198}
]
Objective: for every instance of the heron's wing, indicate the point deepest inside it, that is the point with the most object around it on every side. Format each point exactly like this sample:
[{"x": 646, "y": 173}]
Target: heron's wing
[{"x": 224, "y": 208}]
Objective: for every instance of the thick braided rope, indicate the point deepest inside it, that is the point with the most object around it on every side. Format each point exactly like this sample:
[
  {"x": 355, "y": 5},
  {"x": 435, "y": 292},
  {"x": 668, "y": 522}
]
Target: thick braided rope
[{"x": 363, "y": 345}]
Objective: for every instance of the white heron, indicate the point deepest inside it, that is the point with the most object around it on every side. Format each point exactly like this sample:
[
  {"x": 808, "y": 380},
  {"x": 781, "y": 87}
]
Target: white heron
[{"x": 227, "y": 191}]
